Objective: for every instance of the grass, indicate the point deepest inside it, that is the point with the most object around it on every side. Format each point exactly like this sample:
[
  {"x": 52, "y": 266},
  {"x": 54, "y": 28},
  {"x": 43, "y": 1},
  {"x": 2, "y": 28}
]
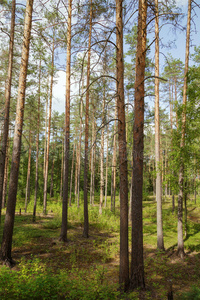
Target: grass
[{"x": 88, "y": 268}]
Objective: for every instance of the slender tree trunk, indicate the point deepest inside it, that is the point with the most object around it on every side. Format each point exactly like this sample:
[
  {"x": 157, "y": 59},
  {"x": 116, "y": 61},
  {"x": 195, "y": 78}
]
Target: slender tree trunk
[
  {"x": 195, "y": 185},
  {"x": 76, "y": 175},
  {"x": 137, "y": 262},
  {"x": 173, "y": 204},
  {"x": 52, "y": 167},
  {"x": 93, "y": 177},
  {"x": 114, "y": 164},
  {"x": 45, "y": 135},
  {"x": 86, "y": 222},
  {"x": 71, "y": 180},
  {"x": 79, "y": 157},
  {"x": 12, "y": 193},
  {"x": 7, "y": 105},
  {"x": 5, "y": 176},
  {"x": 102, "y": 158},
  {"x": 106, "y": 178},
  {"x": 185, "y": 206},
  {"x": 49, "y": 133},
  {"x": 124, "y": 259},
  {"x": 27, "y": 196},
  {"x": 175, "y": 92},
  {"x": 130, "y": 199},
  {"x": 180, "y": 250},
  {"x": 92, "y": 156},
  {"x": 63, "y": 235},
  {"x": 61, "y": 173},
  {"x": 52, "y": 172},
  {"x": 160, "y": 241},
  {"x": 37, "y": 146}
]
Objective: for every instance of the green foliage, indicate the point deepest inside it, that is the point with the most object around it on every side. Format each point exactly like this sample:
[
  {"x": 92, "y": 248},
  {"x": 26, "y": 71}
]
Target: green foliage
[
  {"x": 33, "y": 280},
  {"x": 194, "y": 294}
]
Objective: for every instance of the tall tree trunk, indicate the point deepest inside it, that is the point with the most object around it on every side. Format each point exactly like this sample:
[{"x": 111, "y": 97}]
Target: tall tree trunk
[
  {"x": 180, "y": 250},
  {"x": 37, "y": 145},
  {"x": 92, "y": 156},
  {"x": 102, "y": 157},
  {"x": 124, "y": 260},
  {"x": 27, "y": 196},
  {"x": 7, "y": 105},
  {"x": 63, "y": 235},
  {"x": 106, "y": 178},
  {"x": 86, "y": 222},
  {"x": 93, "y": 176},
  {"x": 137, "y": 262},
  {"x": 185, "y": 206},
  {"x": 61, "y": 172},
  {"x": 114, "y": 163},
  {"x": 53, "y": 161},
  {"x": 79, "y": 157},
  {"x": 71, "y": 180},
  {"x": 52, "y": 172},
  {"x": 45, "y": 134},
  {"x": 175, "y": 95},
  {"x": 49, "y": 132},
  {"x": 160, "y": 241},
  {"x": 12, "y": 193},
  {"x": 5, "y": 176}
]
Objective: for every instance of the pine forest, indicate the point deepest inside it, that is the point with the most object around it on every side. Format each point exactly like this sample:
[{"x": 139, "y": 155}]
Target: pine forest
[{"x": 99, "y": 155}]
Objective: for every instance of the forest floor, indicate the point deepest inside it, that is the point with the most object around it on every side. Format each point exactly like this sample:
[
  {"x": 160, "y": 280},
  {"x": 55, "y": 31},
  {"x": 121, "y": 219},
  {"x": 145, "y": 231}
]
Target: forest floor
[{"x": 94, "y": 262}]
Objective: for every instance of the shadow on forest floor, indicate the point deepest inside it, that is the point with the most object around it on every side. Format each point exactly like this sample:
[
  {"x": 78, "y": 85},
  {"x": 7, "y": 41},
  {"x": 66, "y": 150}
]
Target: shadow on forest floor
[{"x": 162, "y": 269}]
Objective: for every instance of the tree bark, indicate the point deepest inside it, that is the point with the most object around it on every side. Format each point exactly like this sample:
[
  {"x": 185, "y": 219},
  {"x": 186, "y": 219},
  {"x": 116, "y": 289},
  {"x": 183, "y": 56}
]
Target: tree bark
[
  {"x": 102, "y": 157},
  {"x": 137, "y": 262},
  {"x": 53, "y": 161},
  {"x": 27, "y": 196},
  {"x": 79, "y": 157},
  {"x": 92, "y": 158},
  {"x": 37, "y": 146},
  {"x": 5, "y": 182},
  {"x": 160, "y": 241},
  {"x": 45, "y": 135},
  {"x": 12, "y": 193},
  {"x": 61, "y": 173},
  {"x": 124, "y": 259},
  {"x": 114, "y": 162},
  {"x": 106, "y": 178},
  {"x": 71, "y": 180},
  {"x": 7, "y": 105},
  {"x": 180, "y": 250},
  {"x": 63, "y": 235},
  {"x": 49, "y": 132},
  {"x": 86, "y": 222}
]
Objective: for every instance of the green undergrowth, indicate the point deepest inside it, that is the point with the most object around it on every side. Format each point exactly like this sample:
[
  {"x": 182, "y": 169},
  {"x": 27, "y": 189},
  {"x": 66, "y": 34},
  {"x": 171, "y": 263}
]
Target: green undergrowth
[
  {"x": 89, "y": 268},
  {"x": 33, "y": 280}
]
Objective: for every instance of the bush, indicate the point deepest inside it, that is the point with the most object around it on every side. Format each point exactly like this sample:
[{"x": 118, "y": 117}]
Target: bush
[
  {"x": 194, "y": 294},
  {"x": 35, "y": 281}
]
